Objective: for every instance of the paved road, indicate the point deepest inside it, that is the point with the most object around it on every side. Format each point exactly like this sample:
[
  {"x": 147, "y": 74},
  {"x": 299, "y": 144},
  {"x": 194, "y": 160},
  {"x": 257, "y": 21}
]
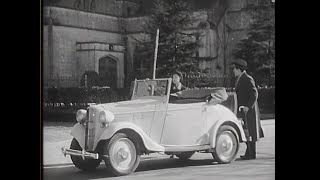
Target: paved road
[{"x": 158, "y": 167}]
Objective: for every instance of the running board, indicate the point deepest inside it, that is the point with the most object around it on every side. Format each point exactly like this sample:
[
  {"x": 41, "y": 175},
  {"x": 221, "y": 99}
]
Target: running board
[{"x": 186, "y": 148}]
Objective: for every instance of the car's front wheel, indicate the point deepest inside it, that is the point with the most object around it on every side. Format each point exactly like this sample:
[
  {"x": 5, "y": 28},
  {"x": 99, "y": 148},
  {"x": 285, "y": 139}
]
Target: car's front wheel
[
  {"x": 123, "y": 157},
  {"x": 227, "y": 145},
  {"x": 83, "y": 164}
]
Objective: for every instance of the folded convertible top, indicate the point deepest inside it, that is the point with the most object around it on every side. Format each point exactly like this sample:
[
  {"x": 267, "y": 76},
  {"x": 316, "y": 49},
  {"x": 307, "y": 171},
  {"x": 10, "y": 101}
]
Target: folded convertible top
[{"x": 218, "y": 94}]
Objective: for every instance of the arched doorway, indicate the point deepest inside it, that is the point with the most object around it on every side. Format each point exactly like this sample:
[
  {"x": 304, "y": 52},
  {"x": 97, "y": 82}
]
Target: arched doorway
[{"x": 108, "y": 71}]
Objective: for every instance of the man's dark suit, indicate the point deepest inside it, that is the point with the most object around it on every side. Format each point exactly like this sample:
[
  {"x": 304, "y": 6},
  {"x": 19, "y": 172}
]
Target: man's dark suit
[{"x": 247, "y": 95}]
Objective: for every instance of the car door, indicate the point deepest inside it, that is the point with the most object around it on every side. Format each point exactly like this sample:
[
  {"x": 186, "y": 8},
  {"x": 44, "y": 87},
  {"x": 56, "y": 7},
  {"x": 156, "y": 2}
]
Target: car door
[
  {"x": 158, "y": 122},
  {"x": 184, "y": 124}
]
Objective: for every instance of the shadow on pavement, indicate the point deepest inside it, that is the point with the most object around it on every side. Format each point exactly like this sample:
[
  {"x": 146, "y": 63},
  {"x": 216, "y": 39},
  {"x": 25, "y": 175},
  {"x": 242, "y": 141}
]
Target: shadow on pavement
[
  {"x": 57, "y": 165},
  {"x": 73, "y": 173},
  {"x": 158, "y": 164},
  {"x": 68, "y": 172},
  {"x": 261, "y": 158}
]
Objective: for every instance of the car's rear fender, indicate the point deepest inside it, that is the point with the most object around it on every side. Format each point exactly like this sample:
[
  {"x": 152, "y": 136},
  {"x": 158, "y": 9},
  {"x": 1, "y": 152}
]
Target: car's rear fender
[
  {"x": 214, "y": 130},
  {"x": 123, "y": 127}
]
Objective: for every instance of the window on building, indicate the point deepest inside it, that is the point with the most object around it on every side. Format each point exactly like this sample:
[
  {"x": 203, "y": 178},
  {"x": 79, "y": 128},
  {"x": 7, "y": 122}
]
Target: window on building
[
  {"x": 128, "y": 11},
  {"x": 93, "y": 5},
  {"x": 197, "y": 53},
  {"x": 108, "y": 72}
]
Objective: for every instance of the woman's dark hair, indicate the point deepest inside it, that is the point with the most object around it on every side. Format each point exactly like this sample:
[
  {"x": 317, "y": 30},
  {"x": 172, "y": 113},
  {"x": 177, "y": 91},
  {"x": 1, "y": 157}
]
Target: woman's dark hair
[{"x": 177, "y": 73}]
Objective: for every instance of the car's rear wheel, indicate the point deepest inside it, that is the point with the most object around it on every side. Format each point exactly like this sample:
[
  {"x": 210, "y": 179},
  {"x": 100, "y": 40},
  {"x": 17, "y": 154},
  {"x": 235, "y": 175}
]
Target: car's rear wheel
[
  {"x": 83, "y": 164},
  {"x": 227, "y": 145},
  {"x": 123, "y": 157},
  {"x": 185, "y": 155}
]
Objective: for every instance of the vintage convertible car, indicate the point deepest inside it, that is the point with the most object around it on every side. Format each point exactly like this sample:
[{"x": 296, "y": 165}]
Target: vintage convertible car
[{"x": 155, "y": 121}]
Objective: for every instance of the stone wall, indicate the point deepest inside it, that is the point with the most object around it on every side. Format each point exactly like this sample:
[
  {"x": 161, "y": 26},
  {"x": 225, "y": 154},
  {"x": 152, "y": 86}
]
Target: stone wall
[
  {"x": 64, "y": 43},
  {"x": 121, "y": 8},
  {"x": 235, "y": 5},
  {"x": 67, "y": 29},
  {"x": 131, "y": 46},
  {"x": 63, "y": 28},
  {"x": 238, "y": 19},
  {"x": 89, "y": 60},
  {"x": 220, "y": 65},
  {"x": 208, "y": 43},
  {"x": 45, "y": 55},
  {"x": 80, "y": 19},
  {"x": 111, "y": 7},
  {"x": 90, "y": 53},
  {"x": 135, "y": 24},
  {"x": 237, "y": 23}
]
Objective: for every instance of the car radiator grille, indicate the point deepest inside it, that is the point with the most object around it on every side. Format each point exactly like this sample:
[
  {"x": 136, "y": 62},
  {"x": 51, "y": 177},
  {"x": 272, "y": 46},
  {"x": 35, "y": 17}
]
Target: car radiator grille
[{"x": 91, "y": 129}]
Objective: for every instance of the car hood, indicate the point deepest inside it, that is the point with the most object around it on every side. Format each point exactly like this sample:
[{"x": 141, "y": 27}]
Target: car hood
[{"x": 131, "y": 106}]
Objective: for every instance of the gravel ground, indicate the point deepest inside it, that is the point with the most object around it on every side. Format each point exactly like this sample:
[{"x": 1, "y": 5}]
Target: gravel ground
[{"x": 56, "y": 131}]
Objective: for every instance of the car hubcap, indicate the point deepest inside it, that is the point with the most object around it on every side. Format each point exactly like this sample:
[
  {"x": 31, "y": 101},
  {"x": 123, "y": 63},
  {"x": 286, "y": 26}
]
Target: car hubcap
[
  {"x": 123, "y": 154},
  {"x": 226, "y": 146}
]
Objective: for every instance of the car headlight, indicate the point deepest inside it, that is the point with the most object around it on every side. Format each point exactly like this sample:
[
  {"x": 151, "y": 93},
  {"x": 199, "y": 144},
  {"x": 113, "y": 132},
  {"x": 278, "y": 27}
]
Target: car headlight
[
  {"x": 81, "y": 116},
  {"x": 105, "y": 117}
]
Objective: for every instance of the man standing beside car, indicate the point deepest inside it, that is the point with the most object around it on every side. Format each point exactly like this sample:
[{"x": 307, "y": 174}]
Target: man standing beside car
[{"x": 247, "y": 96}]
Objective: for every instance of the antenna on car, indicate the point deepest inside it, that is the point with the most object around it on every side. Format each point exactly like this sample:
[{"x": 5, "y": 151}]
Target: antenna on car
[{"x": 155, "y": 55}]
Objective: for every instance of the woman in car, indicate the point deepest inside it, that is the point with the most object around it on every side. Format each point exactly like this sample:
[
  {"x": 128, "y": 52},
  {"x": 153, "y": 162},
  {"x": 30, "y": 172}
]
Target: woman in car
[
  {"x": 176, "y": 84},
  {"x": 176, "y": 87}
]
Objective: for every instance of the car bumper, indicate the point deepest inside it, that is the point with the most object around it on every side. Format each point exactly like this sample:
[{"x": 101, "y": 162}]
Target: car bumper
[{"x": 83, "y": 153}]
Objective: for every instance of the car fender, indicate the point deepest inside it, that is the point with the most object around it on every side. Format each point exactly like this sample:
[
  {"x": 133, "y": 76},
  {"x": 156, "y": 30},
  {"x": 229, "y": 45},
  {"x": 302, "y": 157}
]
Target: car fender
[
  {"x": 78, "y": 132},
  {"x": 117, "y": 126},
  {"x": 214, "y": 130}
]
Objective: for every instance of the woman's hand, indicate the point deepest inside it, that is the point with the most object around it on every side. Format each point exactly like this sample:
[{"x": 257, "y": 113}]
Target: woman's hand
[{"x": 208, "y": 98}]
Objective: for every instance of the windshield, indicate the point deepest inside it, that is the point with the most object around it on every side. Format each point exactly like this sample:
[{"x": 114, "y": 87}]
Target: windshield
[{"x": 156, "y": 87}]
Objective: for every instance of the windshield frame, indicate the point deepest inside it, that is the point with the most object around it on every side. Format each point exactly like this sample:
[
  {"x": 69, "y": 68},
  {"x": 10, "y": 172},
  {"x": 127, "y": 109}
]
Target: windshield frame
[{"x": 163, "y": 98}]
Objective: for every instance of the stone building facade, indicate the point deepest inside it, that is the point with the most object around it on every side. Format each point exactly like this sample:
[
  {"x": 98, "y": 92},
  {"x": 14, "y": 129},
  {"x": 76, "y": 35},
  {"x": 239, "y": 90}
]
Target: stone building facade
[{"x": 99, "y": 35}]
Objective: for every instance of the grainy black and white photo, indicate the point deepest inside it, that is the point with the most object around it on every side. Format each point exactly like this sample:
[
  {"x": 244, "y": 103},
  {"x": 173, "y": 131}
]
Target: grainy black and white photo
[{"x": 158, "y": 89}]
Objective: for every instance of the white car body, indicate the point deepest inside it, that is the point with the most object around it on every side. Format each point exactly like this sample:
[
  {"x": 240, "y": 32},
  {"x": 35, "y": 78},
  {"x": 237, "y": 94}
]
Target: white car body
[{"x": 156, "y": 124}]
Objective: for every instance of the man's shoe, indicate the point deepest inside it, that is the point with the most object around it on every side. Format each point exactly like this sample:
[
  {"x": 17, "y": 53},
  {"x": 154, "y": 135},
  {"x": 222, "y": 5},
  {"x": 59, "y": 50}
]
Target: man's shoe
[{"x": 245, "y": 157}]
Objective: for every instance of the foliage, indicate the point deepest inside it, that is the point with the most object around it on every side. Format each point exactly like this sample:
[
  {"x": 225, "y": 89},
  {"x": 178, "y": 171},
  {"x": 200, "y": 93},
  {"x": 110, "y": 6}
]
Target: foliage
[
  {"x": 50, "y": 2},
  {"x": 203, "y": 81},
  {"x": 73, "y": 97},
  {"x": 62, "y": 103},
  {"x": 266, "y": 99},
  {"x": 176, "y": 47},
  {"x": 93, "y": 79},
  {"x": 258, "y": 49}
]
